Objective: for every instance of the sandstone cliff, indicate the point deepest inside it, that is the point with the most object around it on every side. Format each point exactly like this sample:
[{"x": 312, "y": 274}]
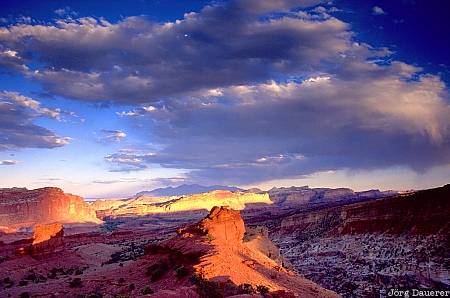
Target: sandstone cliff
[
  {"x": 297, "y": 196},
  {"x": 423, "y": 212},
  {"x": 22, "y": 207},
  {"x": 286, "y": 198},
  {"x": 205, "y": 201}
]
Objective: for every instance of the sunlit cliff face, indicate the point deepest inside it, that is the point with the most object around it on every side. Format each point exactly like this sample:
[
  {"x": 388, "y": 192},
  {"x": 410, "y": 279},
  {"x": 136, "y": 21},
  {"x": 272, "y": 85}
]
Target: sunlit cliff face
[
  {"x": 46, "y": 205},
  {"x": 206, "y": 201},
  {"x": 44, "y": 232}
]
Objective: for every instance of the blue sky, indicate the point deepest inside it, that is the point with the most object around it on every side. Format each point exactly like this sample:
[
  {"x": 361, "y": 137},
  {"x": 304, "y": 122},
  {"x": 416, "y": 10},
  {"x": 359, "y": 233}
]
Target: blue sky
[{"x": 107, "y": 99}]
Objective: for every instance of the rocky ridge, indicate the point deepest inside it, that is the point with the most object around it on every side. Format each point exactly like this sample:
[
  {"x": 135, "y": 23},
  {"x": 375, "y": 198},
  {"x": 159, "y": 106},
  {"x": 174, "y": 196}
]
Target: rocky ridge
[
  {"x": 23, "y": 207},
  {"x": 205, "y": 260},
  {"x": 277, "y": 198},
  {"x": 232, "y": 266},
  {"x": 205, "y": 201},
  {"x": 291, "y": 197}
]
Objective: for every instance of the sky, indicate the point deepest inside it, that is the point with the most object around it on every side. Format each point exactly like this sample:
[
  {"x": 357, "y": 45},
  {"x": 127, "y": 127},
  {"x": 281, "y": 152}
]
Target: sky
[{"x": 105, "y": 99}]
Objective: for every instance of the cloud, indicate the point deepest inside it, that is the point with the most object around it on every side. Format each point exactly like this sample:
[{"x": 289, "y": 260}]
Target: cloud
[
  {"x": 107, "y": 181},
  {"x": 141, "y": 111},
  {"x": 150, "y": 181},
  {"x": 16, "y": 124},
  {"x": 7, "y": 162},
  {"x": 65, "y": 12},
  {"x": 376, "y": 10},
  {"x": 128, "y": 62},
  {"x": 112, "y": 135},
  {"x": 125, "y": 161},
  {"x": 258, "y": 7},
  {"x": 31, "y": 104},
  {"x": 168, "y": 181},
  {"x": 382, "y": 116}
]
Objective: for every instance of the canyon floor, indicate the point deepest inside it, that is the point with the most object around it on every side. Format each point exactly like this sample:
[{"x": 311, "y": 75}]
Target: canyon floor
[{"x": 305, "y": 243}]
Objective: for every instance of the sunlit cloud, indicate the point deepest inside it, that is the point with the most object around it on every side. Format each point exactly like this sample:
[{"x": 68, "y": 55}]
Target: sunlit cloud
[
  {"x": 376, "y": 10},
  {"x": 107, "y": 135},
  {"x": 17, "y": 127},
  {"x": 8, "y": 162}
]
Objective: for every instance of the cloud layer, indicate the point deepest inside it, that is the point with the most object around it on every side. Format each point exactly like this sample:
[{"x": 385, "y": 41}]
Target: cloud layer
[
  {"x": 136, "y": 60},
  {"x": 275, "y": 130},
  {"x": 242, "y": 92}
]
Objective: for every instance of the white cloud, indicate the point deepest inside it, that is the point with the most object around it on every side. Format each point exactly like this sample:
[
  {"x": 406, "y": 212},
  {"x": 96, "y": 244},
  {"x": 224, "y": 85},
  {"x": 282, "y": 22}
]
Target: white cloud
[
  {"x": 376, "y": 10},
  {"x": 30, "y": 103},
  {"x": 149, "y": 108},
  {"x": 17, "y": 128},
  {"x": 65, "y": 12},
  {"x": 112, "y": 135}
]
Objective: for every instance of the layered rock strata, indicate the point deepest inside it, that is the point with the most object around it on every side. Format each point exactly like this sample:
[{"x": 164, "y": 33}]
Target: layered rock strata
[
  {"x": 362, "y": 249},
  {"x": 22, "y": 207}
]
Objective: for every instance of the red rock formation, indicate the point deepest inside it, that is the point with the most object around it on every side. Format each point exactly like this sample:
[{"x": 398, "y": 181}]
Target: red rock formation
[
  {"x": 228, "y": 261},
  {"x": 19, "y": 206},
  {"x": 47, "y": 238},
  {"x": 224, "y": 225},
  {"x": 45, "y": 232},
  {"x": 424, "y": 212}
]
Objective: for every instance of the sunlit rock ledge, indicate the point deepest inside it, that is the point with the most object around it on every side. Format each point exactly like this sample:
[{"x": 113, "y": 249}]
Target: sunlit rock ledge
[{"x": 150, "y": 205}]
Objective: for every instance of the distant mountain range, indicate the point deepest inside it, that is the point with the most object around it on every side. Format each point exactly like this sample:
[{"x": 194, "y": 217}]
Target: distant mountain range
[{"x": 185, "y": 189}]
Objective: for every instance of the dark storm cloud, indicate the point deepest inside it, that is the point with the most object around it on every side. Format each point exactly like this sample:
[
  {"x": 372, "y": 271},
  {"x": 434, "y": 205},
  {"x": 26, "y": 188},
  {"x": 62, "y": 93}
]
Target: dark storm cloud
[
  {"x": 17, "y": 129},
  {"x": 253, "y": 133}
]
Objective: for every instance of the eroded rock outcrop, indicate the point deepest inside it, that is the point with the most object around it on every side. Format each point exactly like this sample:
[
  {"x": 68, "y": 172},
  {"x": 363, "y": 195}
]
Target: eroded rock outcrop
[
  {"x": 257, "y": 237},
  {"x": 224, "y": 225},
  {"x": 47, "y": 238},
  {"x": 225, "y": 262},
  {"x": 21, "y": 207}
]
